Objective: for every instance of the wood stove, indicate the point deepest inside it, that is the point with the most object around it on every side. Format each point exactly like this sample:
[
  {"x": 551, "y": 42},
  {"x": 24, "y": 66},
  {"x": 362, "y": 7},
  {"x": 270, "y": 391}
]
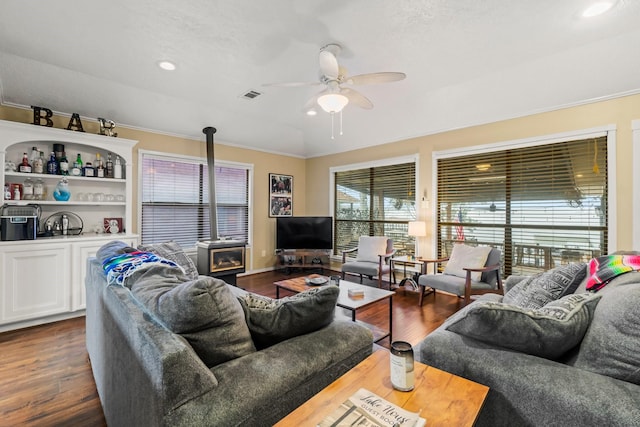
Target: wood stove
[
  {"x": 223, "y": 259},
  {"x": 218, "y": 257}
]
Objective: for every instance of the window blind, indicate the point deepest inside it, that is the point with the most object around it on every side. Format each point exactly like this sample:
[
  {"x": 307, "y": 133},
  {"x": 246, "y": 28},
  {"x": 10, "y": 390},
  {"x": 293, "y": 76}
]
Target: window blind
[
  {"x": 542, "y": 205},
  {"x": 375, "y": 201},
  {"x": 175, "y": 200}
]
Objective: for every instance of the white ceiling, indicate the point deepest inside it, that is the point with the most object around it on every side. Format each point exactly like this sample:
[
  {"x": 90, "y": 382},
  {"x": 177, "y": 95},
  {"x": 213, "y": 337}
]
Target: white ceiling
[{"x": 467, "y": 62}]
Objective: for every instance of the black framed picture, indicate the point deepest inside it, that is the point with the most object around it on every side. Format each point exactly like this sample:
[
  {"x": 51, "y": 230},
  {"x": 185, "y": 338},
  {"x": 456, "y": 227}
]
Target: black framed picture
[{"x": 280, "y": 195}]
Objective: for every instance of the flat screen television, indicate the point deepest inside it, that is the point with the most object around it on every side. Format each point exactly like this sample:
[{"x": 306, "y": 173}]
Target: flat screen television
[{"x": 304, "y": 232}]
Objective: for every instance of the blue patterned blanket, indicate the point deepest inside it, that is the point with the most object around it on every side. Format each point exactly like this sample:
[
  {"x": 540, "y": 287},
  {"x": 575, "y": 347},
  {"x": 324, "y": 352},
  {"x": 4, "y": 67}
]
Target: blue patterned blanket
[{"x": 119, "y": 267}]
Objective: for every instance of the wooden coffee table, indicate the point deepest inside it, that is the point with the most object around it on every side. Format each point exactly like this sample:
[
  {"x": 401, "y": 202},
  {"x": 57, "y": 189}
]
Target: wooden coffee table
[
  {"x": 442, "y": 398},
  {"x": 371, "y": 296}
]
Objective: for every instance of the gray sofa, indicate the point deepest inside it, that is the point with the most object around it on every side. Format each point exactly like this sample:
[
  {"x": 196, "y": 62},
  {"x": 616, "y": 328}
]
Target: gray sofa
[
  {"x": 148, "y": 375},
  {"x": 580, "y": 377}
]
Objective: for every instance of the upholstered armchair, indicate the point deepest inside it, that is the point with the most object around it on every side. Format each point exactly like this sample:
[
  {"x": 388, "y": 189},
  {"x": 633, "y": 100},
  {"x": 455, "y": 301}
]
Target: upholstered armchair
[
  {"x": 372, "y": 258},
  {"x": 468, "y": 271}
]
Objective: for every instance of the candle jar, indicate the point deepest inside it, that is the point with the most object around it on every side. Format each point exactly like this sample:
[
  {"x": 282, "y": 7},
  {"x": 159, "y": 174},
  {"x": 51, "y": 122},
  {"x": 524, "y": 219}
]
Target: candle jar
[{"x": 402, "y": 376}]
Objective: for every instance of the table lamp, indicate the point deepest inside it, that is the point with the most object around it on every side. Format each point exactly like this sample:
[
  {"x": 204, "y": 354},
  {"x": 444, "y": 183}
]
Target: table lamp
[{"x": 417, "y": 229}]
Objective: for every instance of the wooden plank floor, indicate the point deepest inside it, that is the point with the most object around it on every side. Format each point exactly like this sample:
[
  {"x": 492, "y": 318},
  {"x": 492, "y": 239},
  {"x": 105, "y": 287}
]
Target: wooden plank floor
[{"x": 46, "y": 379}]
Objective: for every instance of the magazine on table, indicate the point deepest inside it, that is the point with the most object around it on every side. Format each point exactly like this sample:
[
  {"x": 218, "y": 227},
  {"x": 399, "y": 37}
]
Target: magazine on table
[{"x": 366, "y": 409}]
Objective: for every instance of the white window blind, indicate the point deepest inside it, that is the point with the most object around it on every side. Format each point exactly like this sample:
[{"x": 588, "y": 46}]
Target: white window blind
[
  {"x": 375, "y": 201},
  {"x": 175, "y": 200},
  {"x": 543, "y": 205}
]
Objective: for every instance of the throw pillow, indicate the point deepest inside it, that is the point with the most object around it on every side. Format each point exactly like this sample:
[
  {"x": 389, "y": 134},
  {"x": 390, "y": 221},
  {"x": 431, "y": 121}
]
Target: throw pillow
[
  {"x": 172, "y": 251},
  {"x": 536, "y": 291},
  {"x": 612, "y": 344},
  {"x": 369, "y": 247},
  {"x": 547, "y": 332},
  {"x": 203, "y": 311},
  {"x": 465, "y": 256},
  {"x": 274, "y": 320}
]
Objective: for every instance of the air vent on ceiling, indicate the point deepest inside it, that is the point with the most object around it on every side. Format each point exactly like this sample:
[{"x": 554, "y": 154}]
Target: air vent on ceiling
[{"x": 251, "y": 94}]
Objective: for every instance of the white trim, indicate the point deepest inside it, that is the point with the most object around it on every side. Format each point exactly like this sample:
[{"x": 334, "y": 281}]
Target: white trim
[
  {"x": 203, "y": 160},
  {"x": 635, "y": 185},
  {"x": 612, "y": 202},
  {"x": 608, "y": 130},
  {"x": 526, "y": 142},
  {"x": 375, "y": 163}
]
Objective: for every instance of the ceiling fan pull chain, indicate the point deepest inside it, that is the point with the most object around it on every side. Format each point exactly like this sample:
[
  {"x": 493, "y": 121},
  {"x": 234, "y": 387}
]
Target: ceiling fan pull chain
[
  {"x": 340, "y": 122},
  {"x": 332, "y": 114}
]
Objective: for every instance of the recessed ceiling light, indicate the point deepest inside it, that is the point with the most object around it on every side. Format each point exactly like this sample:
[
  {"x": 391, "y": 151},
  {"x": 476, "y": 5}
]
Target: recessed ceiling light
[
  {"x": 167, "y": 65},
  {"x": 311, "y": 112},
  {"x": 597, "y": 8}
]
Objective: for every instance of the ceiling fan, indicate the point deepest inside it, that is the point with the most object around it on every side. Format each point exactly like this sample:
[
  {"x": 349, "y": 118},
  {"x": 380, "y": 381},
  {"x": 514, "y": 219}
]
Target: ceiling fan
[{"x": 335, "y": 96}]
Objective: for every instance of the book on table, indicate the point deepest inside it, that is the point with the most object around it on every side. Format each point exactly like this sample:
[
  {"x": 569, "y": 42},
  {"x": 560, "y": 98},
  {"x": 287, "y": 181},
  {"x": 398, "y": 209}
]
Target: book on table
[{"x": 366, "y": 409}]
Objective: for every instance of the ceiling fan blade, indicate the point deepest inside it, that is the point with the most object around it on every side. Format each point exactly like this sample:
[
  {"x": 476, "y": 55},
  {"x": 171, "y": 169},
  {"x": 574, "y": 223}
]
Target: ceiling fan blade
[
  {"x": 291, "y": 84},
  {"x": 356, "y": 98},
  {"x": 329, "y": 65},
  {"x": 374, "y": 78}
]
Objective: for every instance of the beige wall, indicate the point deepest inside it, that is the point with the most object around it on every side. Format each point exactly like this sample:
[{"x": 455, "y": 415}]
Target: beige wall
[
  {"x": 311, "y": 176},
  {"x": 263, "y": 164},
  {"x": 618, "y": 112}
]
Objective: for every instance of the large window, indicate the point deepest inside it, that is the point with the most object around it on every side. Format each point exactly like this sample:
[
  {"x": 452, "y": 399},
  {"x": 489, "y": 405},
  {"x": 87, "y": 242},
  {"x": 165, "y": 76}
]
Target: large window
[
  {"x": 175, "y": 199},
  {"x": 375, "y": 201},
  {"x": 542, "y": 205}
]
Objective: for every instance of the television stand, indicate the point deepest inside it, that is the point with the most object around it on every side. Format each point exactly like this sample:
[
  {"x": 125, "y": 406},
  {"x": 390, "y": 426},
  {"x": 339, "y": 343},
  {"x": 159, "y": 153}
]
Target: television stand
[{"x": 289, "y": 259}]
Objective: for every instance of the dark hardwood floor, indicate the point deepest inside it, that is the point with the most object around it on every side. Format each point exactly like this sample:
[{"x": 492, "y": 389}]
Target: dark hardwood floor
[{"x": 45, "y": 373}]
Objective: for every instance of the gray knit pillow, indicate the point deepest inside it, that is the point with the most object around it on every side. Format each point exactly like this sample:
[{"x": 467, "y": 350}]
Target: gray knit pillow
[
  {"x": 173, "y": 251},
  {"x": 203, "y": 311},
  {"x": 611, "y": 346},
  {"x": 549, "y": 331},
  {"x": 536, "y": 291},
  {"x": 273, "y": 320}
]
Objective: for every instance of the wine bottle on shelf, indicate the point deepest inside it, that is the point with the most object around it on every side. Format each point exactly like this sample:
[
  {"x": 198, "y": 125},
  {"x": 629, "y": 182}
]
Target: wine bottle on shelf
[
  {"x": 25, "y": 166},
  {"x": 109, "y": 166},
  {"x": 52, "y": 164},
  {"x": 64, "y": 164},
  {"x": 99, "y": 166},
  {"x": 38, "y": 163},
  {"x": 77, "y": 166},
  {"x": 33, "y": 158},
  {"x": 117, "y": 169}
]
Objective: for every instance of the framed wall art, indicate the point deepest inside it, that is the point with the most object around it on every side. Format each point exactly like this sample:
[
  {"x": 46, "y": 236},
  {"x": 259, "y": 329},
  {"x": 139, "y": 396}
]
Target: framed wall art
[{"x": 280, "y": 195}]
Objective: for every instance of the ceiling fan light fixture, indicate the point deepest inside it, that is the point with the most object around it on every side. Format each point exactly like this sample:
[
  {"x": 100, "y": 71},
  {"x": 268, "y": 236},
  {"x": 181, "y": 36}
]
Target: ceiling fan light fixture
[
  {"x": 333, "y": 102},
  {"x": 167, "y": 65},
  {"x": 597, "y": 8}
]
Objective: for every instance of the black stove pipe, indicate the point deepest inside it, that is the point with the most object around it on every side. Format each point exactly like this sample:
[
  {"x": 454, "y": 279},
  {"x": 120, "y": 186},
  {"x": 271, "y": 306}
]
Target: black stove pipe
[{"x": 213, "y": 214}]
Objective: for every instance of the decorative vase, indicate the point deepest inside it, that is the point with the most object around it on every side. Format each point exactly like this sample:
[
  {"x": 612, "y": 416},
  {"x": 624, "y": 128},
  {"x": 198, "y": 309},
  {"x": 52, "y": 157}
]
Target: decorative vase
[{"x": 61, "y": 192}]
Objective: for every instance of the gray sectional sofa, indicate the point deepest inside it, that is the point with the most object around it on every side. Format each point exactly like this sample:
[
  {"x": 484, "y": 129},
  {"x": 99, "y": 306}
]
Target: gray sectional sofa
[
  {"x": 580, "y": 369},
  {"x": 171, "y": 350}
]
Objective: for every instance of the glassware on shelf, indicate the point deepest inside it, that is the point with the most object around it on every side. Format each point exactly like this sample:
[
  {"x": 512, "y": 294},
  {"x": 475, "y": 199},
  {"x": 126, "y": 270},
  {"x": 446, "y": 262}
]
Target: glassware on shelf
[
  {"x": 27, "y": 188},
  {"x": 39, "y": 189},
  {"x": 62, "y": 192}
]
